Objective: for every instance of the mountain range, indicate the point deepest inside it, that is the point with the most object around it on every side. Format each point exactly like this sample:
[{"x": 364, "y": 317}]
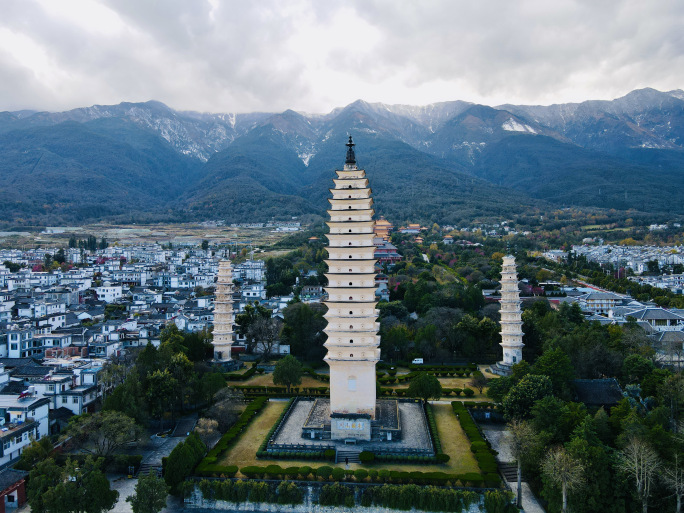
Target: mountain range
[{"x": 447, "y": 162}]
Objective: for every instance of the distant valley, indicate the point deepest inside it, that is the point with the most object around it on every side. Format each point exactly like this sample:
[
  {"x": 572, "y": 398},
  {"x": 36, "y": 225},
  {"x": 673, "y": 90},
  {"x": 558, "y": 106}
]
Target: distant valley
[{"x": 447, "y": 162}]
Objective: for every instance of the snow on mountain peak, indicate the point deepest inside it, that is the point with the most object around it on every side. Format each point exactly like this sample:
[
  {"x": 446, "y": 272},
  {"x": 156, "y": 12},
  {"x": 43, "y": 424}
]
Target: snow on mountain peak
[{"x": 512, "y": 125}]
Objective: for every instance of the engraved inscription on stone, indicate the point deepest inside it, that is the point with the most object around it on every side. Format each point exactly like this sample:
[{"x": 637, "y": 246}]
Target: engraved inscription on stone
[{"x": 350, "y": 425}]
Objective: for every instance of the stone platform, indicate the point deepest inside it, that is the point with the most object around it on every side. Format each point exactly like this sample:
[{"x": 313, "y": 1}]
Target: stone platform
[
  {"x": 392, "y": 417},
  {"x": 501, "y": 369}
]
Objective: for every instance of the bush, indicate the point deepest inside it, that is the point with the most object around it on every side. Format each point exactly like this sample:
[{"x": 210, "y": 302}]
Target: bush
[
  {"x": 329, "y": 454},
  {"x": 366, "y": 457},
  {"x": 468, "y": 392},
  {"x": 360, "y": 474},
  {"x": 289, "y": 493},
  {"x": 479, "y": 446},
  {"x": 324, "y": 472},
  {"x": 338, "y": 474},
  {"x": 234, "y": 376},
  {"x": 336, "y": 495},
  {"x": 499, "y": 501}
]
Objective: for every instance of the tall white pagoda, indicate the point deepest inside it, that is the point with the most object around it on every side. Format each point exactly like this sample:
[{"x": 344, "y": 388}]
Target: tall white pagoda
[
  {"x": 223, "y": 313},
  {"x": 353, "y": 340},
  {"x": 511, "y": 320}
]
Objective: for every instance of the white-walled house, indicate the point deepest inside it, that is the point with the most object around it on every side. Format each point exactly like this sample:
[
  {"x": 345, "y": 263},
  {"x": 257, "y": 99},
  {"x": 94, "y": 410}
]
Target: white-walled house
[
  {"x": 109, "y": 293},
  {"x": 23, "y": 418}
]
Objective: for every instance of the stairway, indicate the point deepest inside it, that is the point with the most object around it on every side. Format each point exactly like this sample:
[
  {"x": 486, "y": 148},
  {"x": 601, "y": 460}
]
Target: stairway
[
  {"x": 351, "y": 455},
  {"x": 509, "y": 471},
  {"x": 145, "y": 468}
]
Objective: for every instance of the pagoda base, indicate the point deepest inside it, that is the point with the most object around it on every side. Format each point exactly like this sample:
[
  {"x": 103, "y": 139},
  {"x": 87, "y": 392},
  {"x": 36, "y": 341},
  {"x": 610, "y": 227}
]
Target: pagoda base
[
  {"x": 400, "y": 427},
  {"x": 501, "y": 369},
  {"x": 227, "y": 365},
  {"x": 321, "y": 424}
]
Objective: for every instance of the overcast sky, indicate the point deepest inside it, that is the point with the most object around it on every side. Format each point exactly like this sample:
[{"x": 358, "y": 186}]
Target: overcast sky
[{"x": 314, "y": 55}]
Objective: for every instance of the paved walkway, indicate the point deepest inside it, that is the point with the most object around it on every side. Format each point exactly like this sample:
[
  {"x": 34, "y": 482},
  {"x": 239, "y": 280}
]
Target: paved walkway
[
  {"x": 155, "y": 449},
  {"x": 499, "y": 437}
]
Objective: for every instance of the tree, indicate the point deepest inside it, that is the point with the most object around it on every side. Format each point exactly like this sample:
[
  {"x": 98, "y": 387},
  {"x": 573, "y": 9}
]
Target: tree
[
  {"x": 522, "y": 439},
  {"x": 640, "y": 462},
  {"x": 673, "y": 477},
  {"x": 181, "y": 369},
  {"x": 172, "y": 337},
  {"x": 245, "y": 320},
  {"x": 103, "y": 432},
  {"x": 211, "y": 383},
  {"x": 264, "y": 332},
  {"x": 182, "y": 460},
  {"x": 425, "y": 386},
  {"x": 288, "y": 372},
  {"x": 479, "y": 381},
  {"x": 42, "y": 477},
  {"x": 205, "y": 244},
  {"x": 206, "y": 429},
  {"x": 636, "y": 367},
  {"x": 128, "y": 398},
  {"x": 80, "y": 488},
  {"x": 37, "y": 451},
  {"x": 228, "y": 405},
  {"x": 160, "y": 393},
  {"x": 564, "y": 470},
  {"x": 521, "y": 397},
  {"x": 150, "y": 494},
  {"x": 557, "y": 366}
]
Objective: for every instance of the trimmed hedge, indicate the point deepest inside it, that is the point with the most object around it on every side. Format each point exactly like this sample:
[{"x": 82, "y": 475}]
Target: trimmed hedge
[
  {"x": 328, "y": 473},
  {"x": 423, "y": 498},
  {"x": 244, "y": 376},
  {"x": 484, "y": 455},
  {"x": 251, "y": 491},
  {"x": 275, "y": 391},
  {"x": 320, "y": 377},
  {"x": 208, "y": 466}
]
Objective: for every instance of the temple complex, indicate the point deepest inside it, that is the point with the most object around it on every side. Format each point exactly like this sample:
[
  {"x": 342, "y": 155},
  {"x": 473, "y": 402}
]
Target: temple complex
[
  {"x": 223, "y": 313},
  {"x": 511, "y": 320}
]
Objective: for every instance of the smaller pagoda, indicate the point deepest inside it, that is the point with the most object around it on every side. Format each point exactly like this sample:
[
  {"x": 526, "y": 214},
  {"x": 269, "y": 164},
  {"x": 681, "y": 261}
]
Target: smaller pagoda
[
  {"x": 511, "y": 318},
  {"x": 223, "y": 313}
]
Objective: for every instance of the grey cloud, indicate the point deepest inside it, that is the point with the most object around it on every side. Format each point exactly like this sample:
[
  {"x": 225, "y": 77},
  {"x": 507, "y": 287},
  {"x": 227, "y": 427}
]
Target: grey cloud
[{"x": 235, "y": 57}]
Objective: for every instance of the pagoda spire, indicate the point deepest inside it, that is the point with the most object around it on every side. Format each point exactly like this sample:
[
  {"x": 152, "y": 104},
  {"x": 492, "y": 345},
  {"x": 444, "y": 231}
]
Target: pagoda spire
[{"x": 351, "y": 158}]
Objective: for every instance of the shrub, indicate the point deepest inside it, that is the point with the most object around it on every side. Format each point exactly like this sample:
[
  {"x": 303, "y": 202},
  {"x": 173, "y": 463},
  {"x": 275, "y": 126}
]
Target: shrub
[
  {"x": 336, "y": 495},
  {"x": 367, "y": 457},
  {"x": 373, "y": 474},
  {"x": 468, "y": 392},
  {"x": 442, "y": 457},
  {"x": 360, "y": 474},
  {"x": 338, "y": 474},
  {"x": 329, "y": 454},
  {"x": 289, "y": 493},
  {"x": 324, "y": 472},
  {"x": 478, "y": 446}
]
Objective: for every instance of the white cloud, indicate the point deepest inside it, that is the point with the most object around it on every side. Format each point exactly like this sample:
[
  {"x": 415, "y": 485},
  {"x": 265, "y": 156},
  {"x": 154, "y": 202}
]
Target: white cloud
[{"x": 313, "y": 55}]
